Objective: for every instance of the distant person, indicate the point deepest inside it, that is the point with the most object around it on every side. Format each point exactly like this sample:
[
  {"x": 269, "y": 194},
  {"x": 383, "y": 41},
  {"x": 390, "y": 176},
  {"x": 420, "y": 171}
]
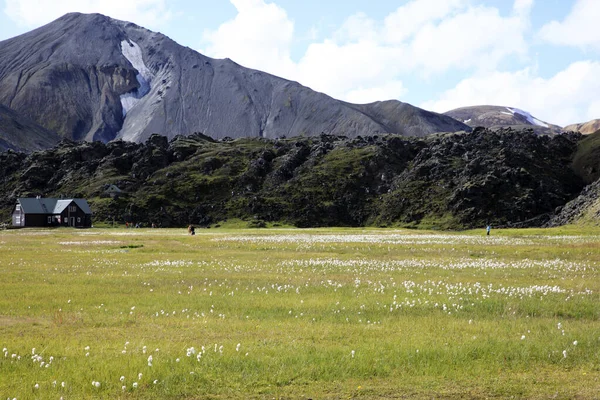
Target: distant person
[
  {"x": 488, "y": 229},
  {"x": 191, "y": 230}
]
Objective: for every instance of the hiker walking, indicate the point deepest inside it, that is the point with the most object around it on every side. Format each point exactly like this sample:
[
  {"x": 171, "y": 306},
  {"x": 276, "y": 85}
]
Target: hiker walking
[{"x": 488, "y": 229}]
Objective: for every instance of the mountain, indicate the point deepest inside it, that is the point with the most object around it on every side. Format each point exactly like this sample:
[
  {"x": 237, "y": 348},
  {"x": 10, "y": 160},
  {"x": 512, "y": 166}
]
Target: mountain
[
  {"x": 586, "y": 127},
  {"x": 90, "y": 77},
  {"x": 446, "y": 181},
  {"x": 493, "y": 117},
  {"x": 21, "y": 134}
]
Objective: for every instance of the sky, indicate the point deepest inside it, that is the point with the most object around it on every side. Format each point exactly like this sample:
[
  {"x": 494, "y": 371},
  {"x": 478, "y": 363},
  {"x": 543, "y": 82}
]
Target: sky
[{"x": 541, "y": 56}]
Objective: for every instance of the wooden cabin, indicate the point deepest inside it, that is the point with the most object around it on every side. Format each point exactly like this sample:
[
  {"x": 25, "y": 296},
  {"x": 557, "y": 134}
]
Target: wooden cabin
[{"x": 48, "y": 212}]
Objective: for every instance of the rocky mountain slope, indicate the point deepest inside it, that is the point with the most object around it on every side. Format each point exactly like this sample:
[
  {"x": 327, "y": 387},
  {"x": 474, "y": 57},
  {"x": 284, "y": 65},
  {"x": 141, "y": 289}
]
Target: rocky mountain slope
[
  {"x": 586, "y": 164},
  {"x": 90, "y": 77},
  {"x": 21, "y": 134},
  {"x": 586, "y": 160},
  {"x": 494, "y": 117},
  {"x": 584, "y": 209},
  {"x": 585, "y": 128},
  {"x": 503, "y": 177}
]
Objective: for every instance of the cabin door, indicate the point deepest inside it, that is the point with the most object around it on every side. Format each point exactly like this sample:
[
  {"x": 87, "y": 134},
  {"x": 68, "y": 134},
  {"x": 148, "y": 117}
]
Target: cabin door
[{"x": 72, "y": 221}]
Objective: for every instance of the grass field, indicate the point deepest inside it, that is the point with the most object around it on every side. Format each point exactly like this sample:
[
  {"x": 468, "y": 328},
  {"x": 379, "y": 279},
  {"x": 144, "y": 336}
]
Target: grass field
[{"x": 298, "y": 314}]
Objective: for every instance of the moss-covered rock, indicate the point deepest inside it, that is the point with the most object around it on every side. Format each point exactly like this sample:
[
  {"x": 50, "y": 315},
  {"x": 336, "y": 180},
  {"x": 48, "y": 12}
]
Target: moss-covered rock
[{"x": 443, "y": 181}]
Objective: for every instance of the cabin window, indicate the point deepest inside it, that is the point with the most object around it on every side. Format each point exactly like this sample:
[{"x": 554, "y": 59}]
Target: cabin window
[
  {"x": 78, "y": 219},
  {"x": 72, "y": 208},
  {"x": 18, "y": 219},
  {"x": 18, "y": 208},
  {"x": 49, "y": 220}
]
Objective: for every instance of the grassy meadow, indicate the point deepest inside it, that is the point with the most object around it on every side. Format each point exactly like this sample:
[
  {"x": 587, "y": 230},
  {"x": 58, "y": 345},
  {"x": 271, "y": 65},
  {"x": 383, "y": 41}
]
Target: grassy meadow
[{"x": 299, "y": 314}]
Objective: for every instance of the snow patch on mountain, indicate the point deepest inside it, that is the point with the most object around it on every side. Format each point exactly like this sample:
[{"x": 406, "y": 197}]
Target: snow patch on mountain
[
  {"x": 530, "y": 118},
  {"x": 133, "y": 53}
]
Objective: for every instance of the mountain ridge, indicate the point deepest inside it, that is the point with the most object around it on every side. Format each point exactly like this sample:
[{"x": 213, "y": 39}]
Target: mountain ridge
[
  {"x": 494, "y": 117},
  {"x": 586, "y": 128},
  {"x": 77, "y": 77}
]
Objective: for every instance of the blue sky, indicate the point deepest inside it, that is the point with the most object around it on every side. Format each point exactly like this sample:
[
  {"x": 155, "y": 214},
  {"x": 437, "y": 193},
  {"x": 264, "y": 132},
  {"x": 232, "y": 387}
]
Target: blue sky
[{"x": 537, "y": 55}]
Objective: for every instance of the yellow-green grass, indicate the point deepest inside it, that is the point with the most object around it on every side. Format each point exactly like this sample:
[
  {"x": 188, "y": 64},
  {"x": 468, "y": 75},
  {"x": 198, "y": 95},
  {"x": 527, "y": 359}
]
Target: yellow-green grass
[{"x": 321, "y": 313}]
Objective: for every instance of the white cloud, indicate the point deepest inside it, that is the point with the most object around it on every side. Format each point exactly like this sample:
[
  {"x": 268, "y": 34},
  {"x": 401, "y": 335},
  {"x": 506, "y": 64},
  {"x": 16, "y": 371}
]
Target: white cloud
[
  {"x": 478, "y": 37},
  {"x": 389, "y": 90},
  {"x": 260, "y": 37},
  {"x": 365, "y": 58},
  {"x": 339, "y": 70},
  {"x": 568, "y": 97},
  {"x": 408, "y": 19},
  {"x": 31, "y": 13},
  {"x": 578, "y": 29},
  {"x": 522, "y": 7}
]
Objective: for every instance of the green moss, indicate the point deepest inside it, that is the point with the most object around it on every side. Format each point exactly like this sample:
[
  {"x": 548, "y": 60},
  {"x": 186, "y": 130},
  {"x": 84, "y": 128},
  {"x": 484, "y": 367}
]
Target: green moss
[{"x": 586, "y": 161}]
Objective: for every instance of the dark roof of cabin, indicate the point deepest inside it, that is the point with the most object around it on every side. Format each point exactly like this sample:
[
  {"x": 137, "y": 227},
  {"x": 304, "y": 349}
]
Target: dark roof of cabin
[{"x": 51, "y": 206}]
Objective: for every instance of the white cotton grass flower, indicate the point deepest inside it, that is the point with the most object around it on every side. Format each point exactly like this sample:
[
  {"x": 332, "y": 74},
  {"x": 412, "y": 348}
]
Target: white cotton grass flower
[
  {"x": 122, "y": 378},
  {"x": 36, "y": 386},
  {"x": 150, "y": 361},
  {"x": 575, "y": 343},
  {"x": 352, "y": 353},
  {"x": 123, "y": 387},
  {"x": 155, "y": 381},
  {"x": 96, "y": 384},
  {"x": 237, "y": 348},
  {"x": 135, "y": 385},
  {"x": 140, "y": 376},
  {"x": 523, "y": 337},
  {"x": 564, "y": 354}
]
